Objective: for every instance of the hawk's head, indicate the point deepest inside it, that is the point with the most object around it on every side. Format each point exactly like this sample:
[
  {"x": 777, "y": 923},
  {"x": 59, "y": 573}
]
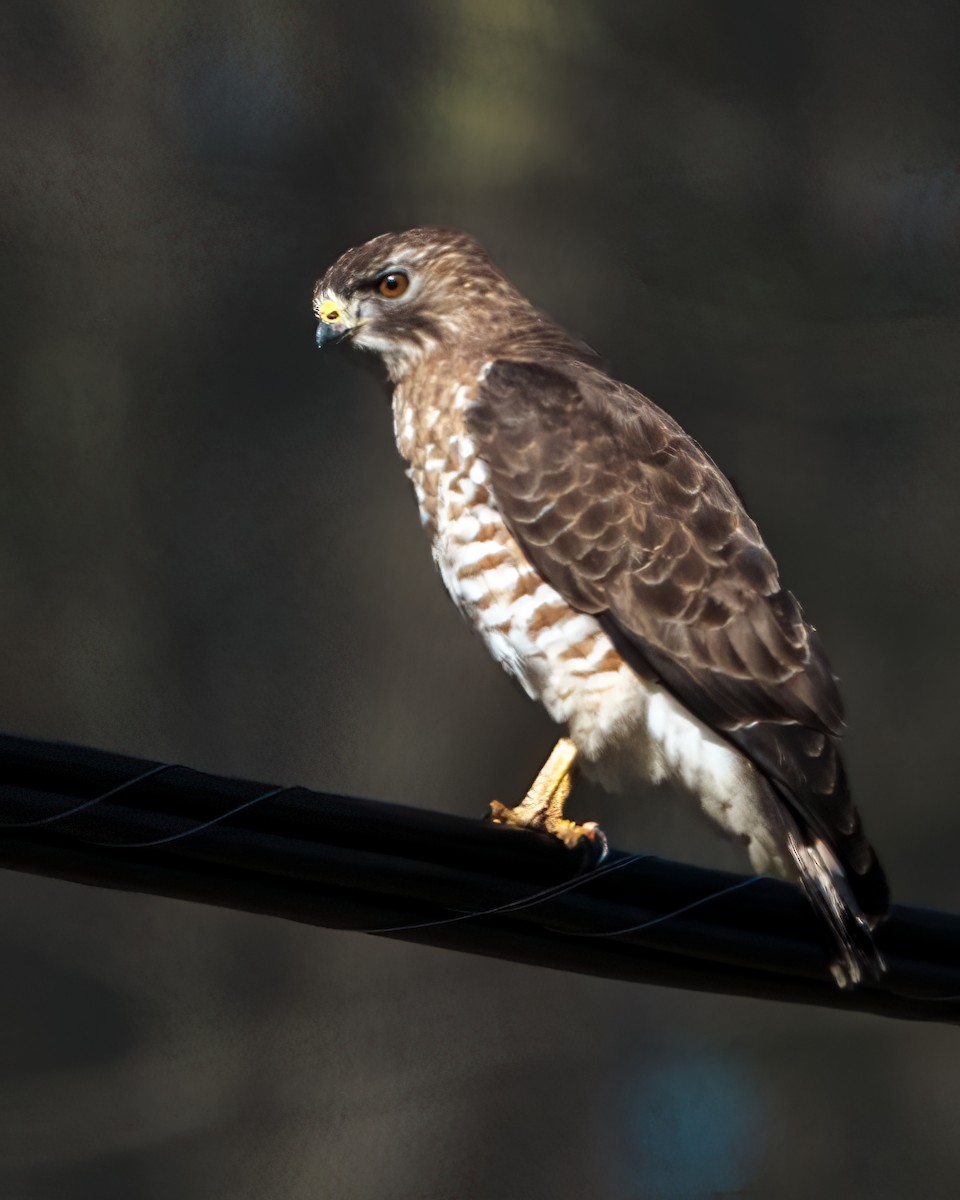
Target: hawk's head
[{"x": 402, "y": 295}]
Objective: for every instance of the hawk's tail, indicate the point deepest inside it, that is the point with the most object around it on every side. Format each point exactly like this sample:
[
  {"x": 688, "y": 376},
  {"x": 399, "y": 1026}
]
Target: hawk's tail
[{"x": 827, "y": 888}]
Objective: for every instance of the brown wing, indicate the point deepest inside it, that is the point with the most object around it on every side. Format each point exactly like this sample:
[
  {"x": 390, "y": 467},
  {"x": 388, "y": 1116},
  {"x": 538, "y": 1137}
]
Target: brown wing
[{"x": 628, "y": 519}]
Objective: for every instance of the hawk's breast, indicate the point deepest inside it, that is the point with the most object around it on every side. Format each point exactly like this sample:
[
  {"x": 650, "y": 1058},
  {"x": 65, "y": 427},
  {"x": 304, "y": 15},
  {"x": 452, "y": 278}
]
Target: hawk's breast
[{"x": 561, "y": 657}]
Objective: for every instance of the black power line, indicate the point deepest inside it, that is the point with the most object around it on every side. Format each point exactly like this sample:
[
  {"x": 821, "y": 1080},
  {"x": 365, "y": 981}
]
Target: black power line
[{"x": 114, "y": 821}]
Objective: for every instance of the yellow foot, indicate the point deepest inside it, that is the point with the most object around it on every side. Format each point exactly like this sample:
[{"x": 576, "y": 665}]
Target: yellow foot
[
  {"x": 542, "y": 807},
  {"x": 569, "y": 832}
]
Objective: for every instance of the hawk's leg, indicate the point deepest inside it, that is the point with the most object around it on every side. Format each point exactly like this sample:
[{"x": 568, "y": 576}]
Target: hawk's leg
[{"x": 542, "y": 807}]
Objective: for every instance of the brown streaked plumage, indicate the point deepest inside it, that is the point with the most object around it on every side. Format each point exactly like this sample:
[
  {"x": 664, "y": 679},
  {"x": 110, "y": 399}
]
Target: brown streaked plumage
[{"x": 610, "y": 567}]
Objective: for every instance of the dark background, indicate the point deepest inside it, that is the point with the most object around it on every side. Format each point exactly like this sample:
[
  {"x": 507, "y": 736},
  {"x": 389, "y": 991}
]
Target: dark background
[{"x": 208, "y": 554}]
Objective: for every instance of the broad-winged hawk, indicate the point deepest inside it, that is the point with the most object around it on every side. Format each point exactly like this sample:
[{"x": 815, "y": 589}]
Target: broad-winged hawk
[{"x": 610, "y": 567}]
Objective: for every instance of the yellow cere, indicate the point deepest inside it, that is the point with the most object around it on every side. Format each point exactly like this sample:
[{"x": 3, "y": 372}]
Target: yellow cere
[{"x": 329, "y": 312}]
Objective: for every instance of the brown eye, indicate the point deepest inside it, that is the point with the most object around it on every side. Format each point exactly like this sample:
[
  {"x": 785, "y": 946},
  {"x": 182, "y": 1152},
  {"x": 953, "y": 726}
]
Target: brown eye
[{"x": 393, "y": 285}]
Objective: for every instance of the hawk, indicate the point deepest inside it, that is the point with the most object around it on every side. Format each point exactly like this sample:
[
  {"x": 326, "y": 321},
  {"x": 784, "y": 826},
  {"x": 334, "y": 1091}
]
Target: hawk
[{"x": 610, "y": 567}]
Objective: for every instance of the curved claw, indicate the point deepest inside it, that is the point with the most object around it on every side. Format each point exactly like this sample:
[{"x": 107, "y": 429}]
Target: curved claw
[{"x": 595, "y": 835}]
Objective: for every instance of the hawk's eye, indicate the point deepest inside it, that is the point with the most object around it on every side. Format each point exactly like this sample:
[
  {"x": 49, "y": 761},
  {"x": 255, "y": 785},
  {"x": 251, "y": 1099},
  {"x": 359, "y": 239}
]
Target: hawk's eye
[{"x": 393, "y": 284}]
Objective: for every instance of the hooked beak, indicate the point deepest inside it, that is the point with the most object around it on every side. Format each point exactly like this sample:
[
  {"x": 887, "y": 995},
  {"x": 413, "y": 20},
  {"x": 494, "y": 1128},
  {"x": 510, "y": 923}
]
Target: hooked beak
[{"x": 335, "y": 323}]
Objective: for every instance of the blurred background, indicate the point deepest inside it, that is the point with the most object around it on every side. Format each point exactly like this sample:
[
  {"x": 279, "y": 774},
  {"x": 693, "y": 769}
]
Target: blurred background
[{"x": 209, "y": 555}]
